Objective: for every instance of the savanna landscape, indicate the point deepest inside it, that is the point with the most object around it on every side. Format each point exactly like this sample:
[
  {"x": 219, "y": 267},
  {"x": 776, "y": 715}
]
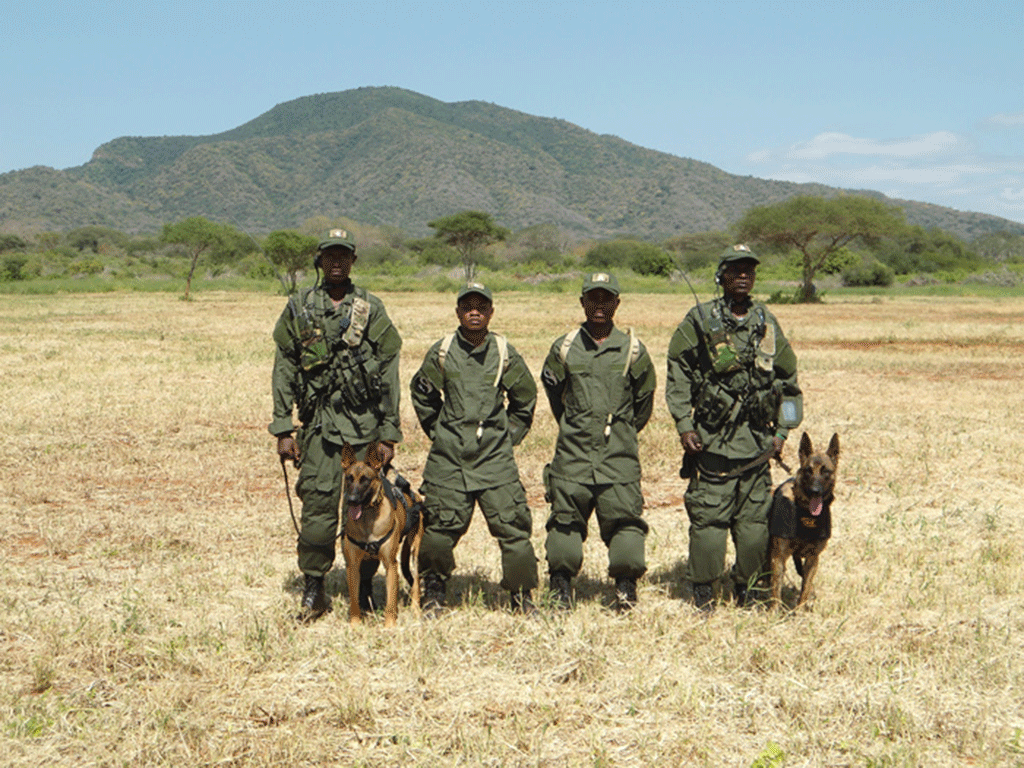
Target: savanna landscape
[{"x": 149, "y": 585}]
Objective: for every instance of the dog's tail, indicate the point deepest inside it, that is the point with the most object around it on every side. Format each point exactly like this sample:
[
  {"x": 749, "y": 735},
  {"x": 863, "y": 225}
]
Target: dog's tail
[
  {"x": 798, "y": 563},
  {"x": 413, "y": 532}
]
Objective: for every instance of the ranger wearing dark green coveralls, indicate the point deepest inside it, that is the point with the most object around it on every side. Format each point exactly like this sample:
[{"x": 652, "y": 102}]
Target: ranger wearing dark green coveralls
[
  {"x": 600, "y": 383},
  {"x": 474, "y": 398},
  {"x": 337, "y": 364},
  {"x": 732, "y": 390}
]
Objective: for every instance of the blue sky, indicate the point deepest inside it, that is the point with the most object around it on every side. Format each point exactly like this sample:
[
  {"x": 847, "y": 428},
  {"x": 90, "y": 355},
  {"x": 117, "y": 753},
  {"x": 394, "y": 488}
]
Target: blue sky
[{"x": 919, "y": 100}]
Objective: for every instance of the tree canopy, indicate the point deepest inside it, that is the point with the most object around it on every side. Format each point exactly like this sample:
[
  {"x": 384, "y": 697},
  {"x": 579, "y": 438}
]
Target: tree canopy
[
  {"x": 291, "y": 251},
  {"x": 818, "y": 227},
  {"x": 468, "y": 232},
  {"x": 200, "y": 237}
]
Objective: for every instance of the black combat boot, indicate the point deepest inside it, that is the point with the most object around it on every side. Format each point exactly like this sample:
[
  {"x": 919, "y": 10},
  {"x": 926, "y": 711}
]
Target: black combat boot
[
  {"x": 625, "y": 593},
  {"x": 315, "y": 602},
  {"x": 703, "y": 597},
  {"x": 561, "y": 589},
  {"x": 521, "y": 601},
  {"x": 433, "y": 593}
]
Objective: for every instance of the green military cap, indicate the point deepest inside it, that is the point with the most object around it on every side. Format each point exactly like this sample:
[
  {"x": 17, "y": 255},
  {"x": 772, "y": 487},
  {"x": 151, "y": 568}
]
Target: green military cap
[
  {"x": 737, "y": 253},
  {"x": 479, "y": 288},
  {"x": 338, "y": 238},
  {"x": 603, "y": 280}
]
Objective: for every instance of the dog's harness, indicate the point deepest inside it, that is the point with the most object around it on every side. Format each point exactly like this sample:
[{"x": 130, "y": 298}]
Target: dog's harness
[
  {"x": 372, "y": 548},
  {"x": 394, "y": 492},
  {"x": 412, "y": 517}
]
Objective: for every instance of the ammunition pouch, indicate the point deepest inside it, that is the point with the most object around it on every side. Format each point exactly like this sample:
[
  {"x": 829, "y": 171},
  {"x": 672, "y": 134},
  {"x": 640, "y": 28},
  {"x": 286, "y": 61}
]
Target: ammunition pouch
[
  {"x": 763, "y": 407},
  {"x": 688, "y": 470},
  {"x": 355, "y": 384},
  {"x": 713, "y": 406}
]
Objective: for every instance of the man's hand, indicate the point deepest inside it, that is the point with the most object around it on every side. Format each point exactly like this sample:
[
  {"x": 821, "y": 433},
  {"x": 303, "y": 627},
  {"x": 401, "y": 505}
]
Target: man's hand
[
  {"x": 778, "y": 443},
  {"x": 691, "y": 443},
  {"x": 287, "y": 448}
]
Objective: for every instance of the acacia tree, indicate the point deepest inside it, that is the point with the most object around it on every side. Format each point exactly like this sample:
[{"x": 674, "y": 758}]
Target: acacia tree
[
  {"x": 291, "y": 251},
  {"x": 817, "y": 228},
  {"x": 219, "y": 243},
  {"x": 468, "y": 232}
]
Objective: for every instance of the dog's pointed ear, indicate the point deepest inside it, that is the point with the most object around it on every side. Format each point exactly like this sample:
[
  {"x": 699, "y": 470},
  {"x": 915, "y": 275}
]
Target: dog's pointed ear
[
  {"x": 348, "y": 456},
  {"x": 373, "y": 456},
  {"x": 833, "y": 448},
  {"x": 806, "y": 449}
]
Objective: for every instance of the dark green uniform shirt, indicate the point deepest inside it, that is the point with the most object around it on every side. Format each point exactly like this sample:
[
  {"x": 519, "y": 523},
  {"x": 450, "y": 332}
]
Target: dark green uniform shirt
[
  {"x": 727, "y": 377},
  {"x": 598, "y": 381},
  {"x": 345, "y": 386},
  {"x": 472, "y": 423}
]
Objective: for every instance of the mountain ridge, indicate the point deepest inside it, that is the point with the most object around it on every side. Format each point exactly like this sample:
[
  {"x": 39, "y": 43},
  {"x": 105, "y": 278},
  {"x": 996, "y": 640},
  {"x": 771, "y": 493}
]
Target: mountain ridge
[{"x": 387, "y": 155}]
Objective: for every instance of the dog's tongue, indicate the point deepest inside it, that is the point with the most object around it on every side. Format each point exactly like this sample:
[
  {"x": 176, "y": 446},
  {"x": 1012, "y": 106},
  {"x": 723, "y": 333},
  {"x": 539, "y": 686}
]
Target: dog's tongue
[
  {"x": 355, "y": 511},
  {"x": 815, "y": 505}
]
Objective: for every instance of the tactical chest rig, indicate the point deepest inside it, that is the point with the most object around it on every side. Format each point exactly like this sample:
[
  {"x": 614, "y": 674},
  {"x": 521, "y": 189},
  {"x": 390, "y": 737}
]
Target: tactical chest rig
[{"x": 339, "y": 367}]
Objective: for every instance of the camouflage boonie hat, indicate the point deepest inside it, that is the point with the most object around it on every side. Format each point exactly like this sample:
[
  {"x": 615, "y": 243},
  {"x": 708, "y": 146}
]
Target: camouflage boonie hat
[
  {"x": 603, "y": 280},
  {"x": 478, "y": 288},
  {"x": 338, "y": 238},
  {"x": 737, "y": 253}
]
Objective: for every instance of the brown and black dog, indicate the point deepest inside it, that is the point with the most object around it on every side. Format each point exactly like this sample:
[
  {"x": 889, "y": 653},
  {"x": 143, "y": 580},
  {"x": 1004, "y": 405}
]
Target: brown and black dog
[
  {"x": 800, "y": 523},
  {"x": 383, "y": 520}
]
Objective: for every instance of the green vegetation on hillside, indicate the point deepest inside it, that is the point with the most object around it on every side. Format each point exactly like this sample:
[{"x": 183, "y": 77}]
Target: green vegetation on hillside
[{"x": 388, "y": 156}]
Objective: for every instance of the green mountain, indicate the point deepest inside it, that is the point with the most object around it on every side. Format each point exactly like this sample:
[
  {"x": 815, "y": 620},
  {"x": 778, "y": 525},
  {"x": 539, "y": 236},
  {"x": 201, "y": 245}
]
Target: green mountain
[{"x": 391, "y": 156}]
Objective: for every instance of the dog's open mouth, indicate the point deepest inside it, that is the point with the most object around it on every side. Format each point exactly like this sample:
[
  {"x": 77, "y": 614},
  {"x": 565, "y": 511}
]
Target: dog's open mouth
[
  {"x": 815, "y": 505},
  {"x": 355, "y": 511}
]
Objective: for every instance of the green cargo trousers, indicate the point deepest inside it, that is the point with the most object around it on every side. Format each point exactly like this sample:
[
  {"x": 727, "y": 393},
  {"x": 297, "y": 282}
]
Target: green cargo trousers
[
  {"x": 736, "y": 505},
  {"x": 623, "y": 530},
  {"x": 447, "y": 518},
  {"x": 320, "y": 487}
]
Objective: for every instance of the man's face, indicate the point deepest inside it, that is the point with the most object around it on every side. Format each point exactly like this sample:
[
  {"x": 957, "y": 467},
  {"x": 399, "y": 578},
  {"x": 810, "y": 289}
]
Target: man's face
[
  {"x": 738, "y": 278},
  {"x": 599, "y": 305},
  {"x": 474, "y": 312},
  {"x": 337, "y": 263}
]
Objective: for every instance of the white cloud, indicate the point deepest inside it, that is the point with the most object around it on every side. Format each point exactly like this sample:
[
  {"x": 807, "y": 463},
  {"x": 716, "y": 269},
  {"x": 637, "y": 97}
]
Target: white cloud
[
  {"x": 828, "y": 144},
  {"x": 1006, "y": 121}
]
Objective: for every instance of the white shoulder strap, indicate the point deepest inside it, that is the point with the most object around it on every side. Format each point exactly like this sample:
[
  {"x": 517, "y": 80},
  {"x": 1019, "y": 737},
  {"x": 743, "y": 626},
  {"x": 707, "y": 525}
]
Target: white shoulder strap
[
  {"x": 502, "y": 342},
  {"x": 563, "y": 351},
  {"x": 634, "y": 352},
  {"x": 502, "y": 357},
  {"x": 442, "y": 351}
]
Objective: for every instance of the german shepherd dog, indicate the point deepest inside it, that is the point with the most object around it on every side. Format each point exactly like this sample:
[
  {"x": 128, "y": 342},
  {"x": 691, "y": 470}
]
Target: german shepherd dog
[
  {"x": 800, "y": 523},
  {"x": 383, "y": 519}
]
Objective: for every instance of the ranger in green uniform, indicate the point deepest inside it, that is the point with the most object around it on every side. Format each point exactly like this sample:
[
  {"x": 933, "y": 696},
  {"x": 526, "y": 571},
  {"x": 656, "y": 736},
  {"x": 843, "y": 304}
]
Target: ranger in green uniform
[
  {"x": 475, "y": 398},
  {"x": 337, "y": 364},
  {"x": 600, "y": 384},
  {"x": 732, "y": 390}
]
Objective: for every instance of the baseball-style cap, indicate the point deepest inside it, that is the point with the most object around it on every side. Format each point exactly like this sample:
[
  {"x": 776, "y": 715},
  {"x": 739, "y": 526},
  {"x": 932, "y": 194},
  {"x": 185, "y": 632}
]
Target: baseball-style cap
[
  {"x": 479, "y": 288},
  {"x": 738, "y": 253},
  {"x": 600, "y": 280},
  {"x": 338, "y": 238}
]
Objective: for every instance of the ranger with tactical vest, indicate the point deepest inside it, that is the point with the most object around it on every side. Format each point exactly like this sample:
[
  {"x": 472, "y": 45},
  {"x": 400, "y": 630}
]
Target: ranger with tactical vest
[
  {"x": 475, "y": 399},
  {"x": 600, "y": 384},
  {"x": 733, "y": 393},
  {"x": 336, "y": 365}
]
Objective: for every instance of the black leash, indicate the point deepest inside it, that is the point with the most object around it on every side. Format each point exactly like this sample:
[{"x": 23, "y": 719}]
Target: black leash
[
  {"x": 763, "y": 458},
  {"x": 291, "y": 511}
]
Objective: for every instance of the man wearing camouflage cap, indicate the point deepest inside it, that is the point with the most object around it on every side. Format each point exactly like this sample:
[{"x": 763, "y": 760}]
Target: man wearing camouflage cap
[
  {"x": 475, "y": 399},
  {"x": 600, "y": 384},
  {"x": 337, "y": 365},
  {"x": 732, "y": 391}
]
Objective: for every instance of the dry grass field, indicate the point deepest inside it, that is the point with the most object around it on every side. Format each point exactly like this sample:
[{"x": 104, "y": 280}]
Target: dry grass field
[{"x": 148, "y": 580}]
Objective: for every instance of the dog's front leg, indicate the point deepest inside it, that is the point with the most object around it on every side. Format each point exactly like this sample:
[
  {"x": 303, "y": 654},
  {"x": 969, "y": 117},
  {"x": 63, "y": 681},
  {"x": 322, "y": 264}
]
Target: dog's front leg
[
  {"x": 391, "y": 601},
  {"x": 353, "y": 559},
  {"x": 810, "y": 569},
  {"x": 780, "y": 553}
]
